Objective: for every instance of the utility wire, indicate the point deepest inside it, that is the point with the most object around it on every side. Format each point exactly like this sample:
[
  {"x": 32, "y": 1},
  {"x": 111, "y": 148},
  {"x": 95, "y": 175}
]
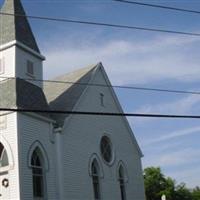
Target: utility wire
[
  {"x": 104, "y": 24},
  {"x": 111, "y": 86},
  {"x": 100, "y": 113},
  {"x": 158, "y": 6}
]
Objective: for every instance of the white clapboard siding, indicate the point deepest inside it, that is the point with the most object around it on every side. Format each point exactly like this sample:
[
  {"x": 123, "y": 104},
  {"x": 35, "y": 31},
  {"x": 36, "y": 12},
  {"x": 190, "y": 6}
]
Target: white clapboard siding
[
  {"x": 10, "y": 135},
  {"x": 81, "y": 139},
  {"x": 32, "y": 129}
]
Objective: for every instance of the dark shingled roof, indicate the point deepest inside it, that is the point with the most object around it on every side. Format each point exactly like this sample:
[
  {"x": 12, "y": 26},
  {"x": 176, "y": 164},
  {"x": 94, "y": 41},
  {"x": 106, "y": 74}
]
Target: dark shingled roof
[
  {"x": 64, "y": 96},
  {"x": 16, "y": 28},
  {"x": 18, "y": 93}
]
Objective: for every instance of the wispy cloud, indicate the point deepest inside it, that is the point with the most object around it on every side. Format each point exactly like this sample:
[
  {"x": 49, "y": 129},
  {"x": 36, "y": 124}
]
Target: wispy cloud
[
  {"x": 175, "y": 158},
  {"x": 180, "y": 106},
  {"x": 139, "y": 61},
  {"x": 183, "y": 156},
  {"x": 185, "y": 105},
  {"x": 174, "y": 134},
  {"x": 181, "y": 165},
  {"x": 188, "y": 176},
  {"x": 127, "y": 61}
]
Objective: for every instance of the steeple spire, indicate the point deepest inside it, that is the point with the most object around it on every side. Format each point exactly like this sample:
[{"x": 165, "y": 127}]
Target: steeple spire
[{"x": 15, "y": 27}]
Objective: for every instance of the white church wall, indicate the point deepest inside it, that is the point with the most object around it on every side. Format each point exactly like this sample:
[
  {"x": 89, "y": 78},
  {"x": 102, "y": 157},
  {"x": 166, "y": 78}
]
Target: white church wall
[
  {"x": 81, "y": 139},
  {"x": 22, "y": 57},
  {"x": 14, "y": 61},
  {"x": 31, "y": 130},
  {"x": 8, "y": 61},
  {"x": 8, "y": 134}
]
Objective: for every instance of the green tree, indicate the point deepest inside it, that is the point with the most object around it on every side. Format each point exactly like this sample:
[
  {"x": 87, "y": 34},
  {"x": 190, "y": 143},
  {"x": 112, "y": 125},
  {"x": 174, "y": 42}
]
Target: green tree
[
  {"x": 156, "y": 184},
  {"x": 182, "y": 193},
  {"x": 196, "y": 193},
  {"x": 169, "y": 189}
]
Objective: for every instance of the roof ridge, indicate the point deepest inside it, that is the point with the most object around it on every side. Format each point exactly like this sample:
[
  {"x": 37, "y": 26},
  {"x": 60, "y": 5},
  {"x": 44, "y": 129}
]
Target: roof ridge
[
  {"x": 83, "y": 70},
  {"x": 65, "y": 96}
]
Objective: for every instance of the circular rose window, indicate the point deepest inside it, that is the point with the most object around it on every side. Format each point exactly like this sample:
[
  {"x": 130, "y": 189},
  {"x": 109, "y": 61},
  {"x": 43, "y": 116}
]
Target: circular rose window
[{"x": 106, "y": 149}]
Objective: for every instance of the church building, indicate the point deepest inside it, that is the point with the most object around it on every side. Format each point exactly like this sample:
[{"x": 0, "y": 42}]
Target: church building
[{"x": 52, "y": 156}]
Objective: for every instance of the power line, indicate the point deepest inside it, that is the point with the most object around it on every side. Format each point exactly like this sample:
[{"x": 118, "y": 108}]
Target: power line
[
  {"x": 111, "y": 86},
  {"x": 100, "y": 113},
  {"x": 104, "y": 24},
  {"x": 158, "y": 6}
]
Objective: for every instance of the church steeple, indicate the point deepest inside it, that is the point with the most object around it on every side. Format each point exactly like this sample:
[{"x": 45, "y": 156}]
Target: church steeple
[{"x": 15, "y": 28}]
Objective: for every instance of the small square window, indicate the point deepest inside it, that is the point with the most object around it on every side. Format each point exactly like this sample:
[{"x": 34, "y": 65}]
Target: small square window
[
  {"x": 30, "y": 67},
  {"x": 2, "y": 65}
]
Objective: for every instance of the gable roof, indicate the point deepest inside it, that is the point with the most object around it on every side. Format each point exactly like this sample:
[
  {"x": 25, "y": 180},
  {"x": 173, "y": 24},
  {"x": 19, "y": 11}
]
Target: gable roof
[
  {"x": 64, "y": 96},
  {"x": 16, "y": 27},
  {"x": 18, "y": 93}
]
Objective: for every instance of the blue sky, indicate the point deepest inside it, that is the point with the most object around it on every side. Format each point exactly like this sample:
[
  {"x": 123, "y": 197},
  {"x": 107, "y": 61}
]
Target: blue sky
[{"x": 135, "y": 58}]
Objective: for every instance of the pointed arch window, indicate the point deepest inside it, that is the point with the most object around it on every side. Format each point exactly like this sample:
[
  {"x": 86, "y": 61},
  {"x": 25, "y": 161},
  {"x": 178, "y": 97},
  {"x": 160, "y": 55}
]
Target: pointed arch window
[
  {"x": 38, "y": 175},
  {"x": 122, "y": 183},
  {"x": 95, "y": 180},
  {"x": 3, "y": 157}
]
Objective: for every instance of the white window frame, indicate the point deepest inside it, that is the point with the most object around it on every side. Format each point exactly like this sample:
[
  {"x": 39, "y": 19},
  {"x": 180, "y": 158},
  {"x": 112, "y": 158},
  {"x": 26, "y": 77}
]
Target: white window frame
[
  {"x": 45, "y": 160},
  {"x": 42, "y": 175},
  {"x": 9, "y": 154}
]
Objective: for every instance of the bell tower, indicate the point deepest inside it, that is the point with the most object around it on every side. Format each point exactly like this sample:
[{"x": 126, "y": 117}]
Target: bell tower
[{"x": 20, "y": 56}]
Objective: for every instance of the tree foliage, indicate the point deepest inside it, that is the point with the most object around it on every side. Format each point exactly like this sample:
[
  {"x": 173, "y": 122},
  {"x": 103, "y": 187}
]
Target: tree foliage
[
  {"x": 196, "y": 193},
  {"x": 183, "y": 193},
  {"x": 157, "y": 184}
]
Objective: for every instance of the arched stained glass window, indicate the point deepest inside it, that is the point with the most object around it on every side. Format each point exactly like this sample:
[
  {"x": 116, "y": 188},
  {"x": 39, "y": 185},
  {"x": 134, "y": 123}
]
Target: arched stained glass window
[
  {"x": 38, "y": 174},
  {"x": 3, "y": 156},
  {"x": 95, "y": 180},
  {"x": 122, "y": 183}
]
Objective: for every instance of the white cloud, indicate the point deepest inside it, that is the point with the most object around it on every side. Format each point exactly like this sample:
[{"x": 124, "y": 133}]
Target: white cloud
[
  {"x": 172, "y": 135},
  {"x": 174, "y": 158},
  {"x": 179, "y": 106},
  {"x": 182, "y": 165},
  {"x": 189, "y": 176},
  {"x": 183, "y": 156},
  {"x": 134, "y": 61},
  {"x": 127, "y": 61}
]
